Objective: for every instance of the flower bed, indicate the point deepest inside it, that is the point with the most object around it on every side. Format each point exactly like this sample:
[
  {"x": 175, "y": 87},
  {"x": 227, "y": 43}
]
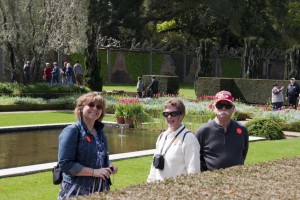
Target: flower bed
[
  {"x": 131, "y": 110},
  {"x": 288, "y": 119}
]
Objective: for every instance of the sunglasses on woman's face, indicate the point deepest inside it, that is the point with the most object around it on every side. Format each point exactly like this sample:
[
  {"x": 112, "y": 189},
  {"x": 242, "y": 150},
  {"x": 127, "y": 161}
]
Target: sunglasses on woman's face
[
  {"x": 92, "y": 105},
  {"x": 172, "y": 114},
  {"x": 222, "y": 105}
]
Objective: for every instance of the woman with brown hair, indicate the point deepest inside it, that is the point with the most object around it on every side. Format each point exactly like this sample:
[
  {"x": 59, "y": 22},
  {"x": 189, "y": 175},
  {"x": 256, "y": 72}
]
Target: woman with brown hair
[
  {"x": 83, "y": 150},
  {"x": 177, "y": 148}
]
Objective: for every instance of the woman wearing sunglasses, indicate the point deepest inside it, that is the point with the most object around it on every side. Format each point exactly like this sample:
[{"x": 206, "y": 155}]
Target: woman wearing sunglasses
[
  {"x": 223, "y": 142},
  {"x": 83, "y": 150},
  {"x": 177, "y": 149}
]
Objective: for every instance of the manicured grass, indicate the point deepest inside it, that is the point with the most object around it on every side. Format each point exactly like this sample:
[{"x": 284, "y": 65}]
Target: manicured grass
[
  {"x": 186, "y": 89},
  {"x": 35, "y": 186},
  {"x": 31, "y": 118},
  {"x": 132, "y": 171},
  {"x": 271, "y": 150},
  {"x": 125, "y": 87},
  {"x": 39, "y": 186}
]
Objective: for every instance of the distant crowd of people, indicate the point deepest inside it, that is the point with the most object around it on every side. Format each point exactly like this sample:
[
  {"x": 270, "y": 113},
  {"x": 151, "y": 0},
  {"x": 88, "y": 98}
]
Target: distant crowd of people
[
  {"x": 67, "y": 74},
  {"x": 56, "y": 75}
]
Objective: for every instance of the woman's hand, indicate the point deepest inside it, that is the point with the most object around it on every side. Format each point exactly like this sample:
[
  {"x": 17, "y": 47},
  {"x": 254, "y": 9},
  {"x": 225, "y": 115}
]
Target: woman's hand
[{"x": 103, "y": 173}]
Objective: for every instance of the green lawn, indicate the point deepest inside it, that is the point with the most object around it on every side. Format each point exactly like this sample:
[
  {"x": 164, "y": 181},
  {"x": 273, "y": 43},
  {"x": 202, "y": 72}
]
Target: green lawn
[
  {"x": 31, "y": 118},
  {"x": 186, "y": 89},
  {"x": 125, "y": 87},
  {"x": 132, "y": 171}
]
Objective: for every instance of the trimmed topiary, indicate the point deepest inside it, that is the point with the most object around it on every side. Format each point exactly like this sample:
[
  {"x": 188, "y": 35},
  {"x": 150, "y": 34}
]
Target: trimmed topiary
[{"x": 266, "y": 128}]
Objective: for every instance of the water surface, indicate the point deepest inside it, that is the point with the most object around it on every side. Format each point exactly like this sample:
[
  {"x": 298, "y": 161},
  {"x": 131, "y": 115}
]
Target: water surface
[{"x": 36, "y": 147}]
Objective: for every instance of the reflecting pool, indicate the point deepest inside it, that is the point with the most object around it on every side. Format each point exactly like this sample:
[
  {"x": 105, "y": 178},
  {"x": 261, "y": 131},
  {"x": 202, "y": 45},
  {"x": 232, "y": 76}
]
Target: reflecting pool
[{"x": 36, "y": 147}]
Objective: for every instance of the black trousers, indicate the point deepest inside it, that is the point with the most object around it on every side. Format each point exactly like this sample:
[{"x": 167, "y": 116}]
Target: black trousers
[{"x": 293, "y": 101}]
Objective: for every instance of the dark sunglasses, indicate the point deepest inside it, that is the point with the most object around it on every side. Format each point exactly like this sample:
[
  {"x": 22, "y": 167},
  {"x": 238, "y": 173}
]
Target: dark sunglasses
[
  {"x": 92, "y": 105},
  {"x": 222, "y": 105},
  {"x": 172, "y": 114}
]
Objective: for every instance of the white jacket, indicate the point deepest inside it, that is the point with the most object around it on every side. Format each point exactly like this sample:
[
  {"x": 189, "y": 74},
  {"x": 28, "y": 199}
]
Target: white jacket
[{"x": 181, "y": 158}]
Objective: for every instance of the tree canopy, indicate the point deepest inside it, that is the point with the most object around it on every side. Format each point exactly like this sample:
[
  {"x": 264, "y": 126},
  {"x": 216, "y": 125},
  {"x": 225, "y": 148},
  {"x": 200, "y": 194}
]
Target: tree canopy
[{"x": 33, "y": 28}]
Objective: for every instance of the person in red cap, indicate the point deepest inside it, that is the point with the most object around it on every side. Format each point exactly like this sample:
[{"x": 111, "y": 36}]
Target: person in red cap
[{"x": 223, "y": 141}]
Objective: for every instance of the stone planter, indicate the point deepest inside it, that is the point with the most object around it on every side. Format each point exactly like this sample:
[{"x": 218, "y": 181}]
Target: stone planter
[
  {"x": 120, "y": 120},
  {"x": 129, "y": 121}
]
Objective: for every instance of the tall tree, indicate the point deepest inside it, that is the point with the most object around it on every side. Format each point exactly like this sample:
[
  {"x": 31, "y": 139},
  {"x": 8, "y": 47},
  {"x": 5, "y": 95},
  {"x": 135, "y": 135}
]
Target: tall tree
[
  {"x": 291, "y": 22},
  {"x": 125, "y": 21},
  {"x": 96, "y": 20},
  {"x": 33, "y": 28},
  {"x": 11, "y": 35}
]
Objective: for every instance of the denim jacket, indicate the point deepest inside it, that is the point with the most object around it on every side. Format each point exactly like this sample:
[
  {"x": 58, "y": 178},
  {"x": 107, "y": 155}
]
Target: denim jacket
[{"x": 77, "y": 149}]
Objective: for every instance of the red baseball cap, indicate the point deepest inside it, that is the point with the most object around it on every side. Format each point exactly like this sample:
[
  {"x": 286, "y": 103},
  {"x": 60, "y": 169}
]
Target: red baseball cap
[{"x": 223, "y": 96}]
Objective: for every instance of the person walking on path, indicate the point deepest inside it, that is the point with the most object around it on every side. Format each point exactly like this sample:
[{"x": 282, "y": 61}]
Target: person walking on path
[
  {"x": 26, "y": 70},
  {"x": 55, "y": 74},
  {"x": 78, "y": 72},
  {"x": 223, "y": 141},
  {"x": 154, "y": 86},
  {"x": 47, "y": 73},
  {"x": 63, "y": 73},
  {"x": 69, "y": 74},
  {"x": 277, "y": 96},
  {"x": 292, "y": 93},
  {"x": 83, "y": 150},
  {"x": 140, "y": 87}
]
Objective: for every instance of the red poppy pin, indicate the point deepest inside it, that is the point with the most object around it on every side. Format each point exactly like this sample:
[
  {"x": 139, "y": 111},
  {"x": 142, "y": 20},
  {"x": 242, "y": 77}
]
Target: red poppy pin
[
  {"x": 239, "y": 131},
  {"x": 88, "y": 138}
]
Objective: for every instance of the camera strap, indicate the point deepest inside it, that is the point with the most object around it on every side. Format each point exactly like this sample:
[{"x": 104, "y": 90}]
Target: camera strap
[{"x": 170, "y": 142}]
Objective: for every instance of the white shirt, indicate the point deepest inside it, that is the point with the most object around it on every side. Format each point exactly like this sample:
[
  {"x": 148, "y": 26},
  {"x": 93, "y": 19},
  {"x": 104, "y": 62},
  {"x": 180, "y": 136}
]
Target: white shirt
[
  {"x": 181, "y": 158},
  {"x": 277, "y": 95}
]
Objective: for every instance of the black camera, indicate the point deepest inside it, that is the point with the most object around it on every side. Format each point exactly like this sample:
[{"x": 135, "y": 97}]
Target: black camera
[
  {"x": 159, "y": 161},
  {"x": 112, "y": 169}
]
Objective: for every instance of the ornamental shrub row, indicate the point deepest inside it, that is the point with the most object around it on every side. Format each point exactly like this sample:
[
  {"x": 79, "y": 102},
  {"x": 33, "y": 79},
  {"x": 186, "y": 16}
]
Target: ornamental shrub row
[{"x": 41, "y": 90}]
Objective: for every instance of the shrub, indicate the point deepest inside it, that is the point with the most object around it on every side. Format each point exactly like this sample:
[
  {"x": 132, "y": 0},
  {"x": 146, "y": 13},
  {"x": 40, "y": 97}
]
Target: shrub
[
  {"x": 28, "y": 103},
  {"x": 238, "y": 182},
  {"x": 266, "y": 128},
  {"x": 240, "y": 115},
  {"x": 6, "y": 88},
  {"x": 154, "y": 111},
  {"x": 290, "y": 126},
  {"x": 40, "y": 90}
]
